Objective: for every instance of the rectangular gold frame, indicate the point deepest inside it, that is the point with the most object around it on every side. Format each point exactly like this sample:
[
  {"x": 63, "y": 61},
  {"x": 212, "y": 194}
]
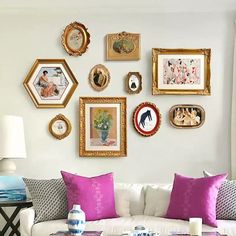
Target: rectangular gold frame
[
  {"x": 112, "y": 55},
  {"x": 123, "y": 136},
  {"x": 155, "y": 75}
]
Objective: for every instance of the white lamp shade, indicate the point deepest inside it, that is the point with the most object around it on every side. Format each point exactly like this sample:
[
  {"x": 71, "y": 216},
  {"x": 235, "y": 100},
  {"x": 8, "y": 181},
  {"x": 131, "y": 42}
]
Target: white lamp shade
[{"x": 12, "y": 137}]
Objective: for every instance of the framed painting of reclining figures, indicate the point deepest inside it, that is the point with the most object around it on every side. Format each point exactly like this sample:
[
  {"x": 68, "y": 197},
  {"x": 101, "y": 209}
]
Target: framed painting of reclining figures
[{"x": 50, "y": 83}]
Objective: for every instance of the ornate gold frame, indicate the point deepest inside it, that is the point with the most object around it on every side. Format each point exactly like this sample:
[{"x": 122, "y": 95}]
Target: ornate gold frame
[
  {"x": 155, "y": 76},
  {"x": 137, "y": 124},
  {"x": 139, "y": 77},
  {"x": 171, "y": 116},
  {"x": 82, "y": 121},
  {"x": 86, "y": 39},
  {"x": 91, "y": 74},
  {"x": 68, "y": 124},
  {"x": 123, "y": 56},
  {"x": 28, "y": 78}
]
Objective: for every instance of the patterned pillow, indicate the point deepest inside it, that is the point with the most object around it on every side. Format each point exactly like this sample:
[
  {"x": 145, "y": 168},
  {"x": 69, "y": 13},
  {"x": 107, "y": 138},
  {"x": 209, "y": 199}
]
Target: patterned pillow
[
  {"x": 226, "y": 200},
  {"x": 49, "y": 198}
]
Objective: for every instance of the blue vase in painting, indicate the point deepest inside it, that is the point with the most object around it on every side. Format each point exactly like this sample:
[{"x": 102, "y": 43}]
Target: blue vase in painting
[
  {"x": 76, "y": 220},
  {"x": 104, "y": 135}
]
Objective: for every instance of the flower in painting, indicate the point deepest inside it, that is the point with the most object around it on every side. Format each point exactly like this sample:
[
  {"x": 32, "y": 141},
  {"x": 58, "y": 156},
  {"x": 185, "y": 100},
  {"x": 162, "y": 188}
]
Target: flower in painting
[{"x": 102, "y": 120}]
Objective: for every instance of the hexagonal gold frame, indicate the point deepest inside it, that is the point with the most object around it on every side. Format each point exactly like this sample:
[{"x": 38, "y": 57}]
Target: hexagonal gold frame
[{"x": 60, "y": 104}]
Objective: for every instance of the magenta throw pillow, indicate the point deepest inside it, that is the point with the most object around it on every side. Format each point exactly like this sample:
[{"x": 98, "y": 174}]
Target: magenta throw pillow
[
  {"x": 95, "y": 195},
  {"x": 195, "y": 197}
]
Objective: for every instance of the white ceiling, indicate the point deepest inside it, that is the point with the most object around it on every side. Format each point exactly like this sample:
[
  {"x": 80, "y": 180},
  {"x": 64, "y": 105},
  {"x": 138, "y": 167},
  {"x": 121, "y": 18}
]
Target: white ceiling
[{"x": 125, "y": 5}]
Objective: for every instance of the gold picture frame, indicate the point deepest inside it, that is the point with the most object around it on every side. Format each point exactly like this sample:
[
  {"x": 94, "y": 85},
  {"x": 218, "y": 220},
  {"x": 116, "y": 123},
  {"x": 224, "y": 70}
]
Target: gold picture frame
[
  {"x": 123, "y": 46},
  {"x": 133, "y": 82},
  {"x": 181, "y": 71},
  {"x": 102, "y": 127},
  {"x": 186, "y": 116},
  {"x": 50, "y": 83},
  {"x": 75, "y": 39},
  {"x": 99, "y": 77},
  {"x": 59, "y": 127}
]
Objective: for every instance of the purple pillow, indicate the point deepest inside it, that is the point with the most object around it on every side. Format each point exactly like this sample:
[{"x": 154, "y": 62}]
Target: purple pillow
[
  {"x": 95, "y": 195},
  {"x": 195, "y": 197}
]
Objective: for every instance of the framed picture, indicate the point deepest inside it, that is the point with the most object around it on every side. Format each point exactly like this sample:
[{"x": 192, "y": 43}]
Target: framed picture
[
  {"x": 103, "y": 127},
  {"x": 50, "y": 83},
  {"x": 181, "y": 71},
  {"x": 60, "y": 127},
  {"x": 147, "y": 119},
  {"x": 75, "y": 39},
  {"x": 186, "y": 116},
  {"x": 99, "y": 77},
  {"x": 123, "y": 46},
  {"x": 133, "y": 82}
]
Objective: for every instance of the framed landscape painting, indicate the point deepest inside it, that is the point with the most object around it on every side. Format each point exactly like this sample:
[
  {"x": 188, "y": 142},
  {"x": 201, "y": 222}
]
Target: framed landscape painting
[
  {"x": 181, "y": 71},
  {"x": 123, "y": 46},
  {"x": 50, "y": 83},
  {"x": 103, "y": 127}
]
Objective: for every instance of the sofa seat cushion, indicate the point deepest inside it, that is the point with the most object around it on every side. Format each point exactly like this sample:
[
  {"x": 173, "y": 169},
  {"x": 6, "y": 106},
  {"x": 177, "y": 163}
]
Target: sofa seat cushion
[{"x": 117, "y": 225}]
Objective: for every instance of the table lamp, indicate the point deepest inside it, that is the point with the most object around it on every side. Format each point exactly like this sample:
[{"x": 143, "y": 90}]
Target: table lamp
[{"x": 12, "y": 142}]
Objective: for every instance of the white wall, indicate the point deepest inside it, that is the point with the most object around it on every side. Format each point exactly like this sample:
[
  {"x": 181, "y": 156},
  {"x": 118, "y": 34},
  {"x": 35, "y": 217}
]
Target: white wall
[{"x": 30, "y": 34}]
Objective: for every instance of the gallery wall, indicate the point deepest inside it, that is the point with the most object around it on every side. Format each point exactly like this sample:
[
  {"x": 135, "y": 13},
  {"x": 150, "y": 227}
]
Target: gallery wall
[{"x": 28, "y": 34}]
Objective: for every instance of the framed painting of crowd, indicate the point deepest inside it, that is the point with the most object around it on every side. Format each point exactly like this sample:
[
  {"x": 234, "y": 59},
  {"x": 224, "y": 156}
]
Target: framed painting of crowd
[{"x": 181, "y": 71}]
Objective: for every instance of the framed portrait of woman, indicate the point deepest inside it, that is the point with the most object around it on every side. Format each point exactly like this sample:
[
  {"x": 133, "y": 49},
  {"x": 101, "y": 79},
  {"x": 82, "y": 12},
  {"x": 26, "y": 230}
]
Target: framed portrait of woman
[{"x": 50, "y": 83}]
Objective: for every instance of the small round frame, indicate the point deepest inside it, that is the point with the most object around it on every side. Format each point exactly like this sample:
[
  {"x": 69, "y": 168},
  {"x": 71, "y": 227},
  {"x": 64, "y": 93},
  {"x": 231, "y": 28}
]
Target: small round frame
[
  {"x": 99, "y": 77},
  {"x": 60, "y": 127},
  {"x": 133, "y": 82},
  {"x": 147, "y": 119},
  {"x": 75, "y": 39}
]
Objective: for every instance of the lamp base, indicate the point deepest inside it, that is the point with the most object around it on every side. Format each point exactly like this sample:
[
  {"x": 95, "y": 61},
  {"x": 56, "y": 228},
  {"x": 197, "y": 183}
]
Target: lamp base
[{"x": 7, "y": 167}]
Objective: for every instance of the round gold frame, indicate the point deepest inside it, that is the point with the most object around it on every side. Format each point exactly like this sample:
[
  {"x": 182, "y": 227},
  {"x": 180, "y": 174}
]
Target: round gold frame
[
  {"x": 62, "y": 118},
  {"x": 103, "y": 84},
  {"x": 75, "y": 26}
]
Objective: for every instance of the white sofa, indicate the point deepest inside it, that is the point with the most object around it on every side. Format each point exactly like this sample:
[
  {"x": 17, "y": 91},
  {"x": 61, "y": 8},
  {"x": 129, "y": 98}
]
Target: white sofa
[{"x": 138, "y": 203}]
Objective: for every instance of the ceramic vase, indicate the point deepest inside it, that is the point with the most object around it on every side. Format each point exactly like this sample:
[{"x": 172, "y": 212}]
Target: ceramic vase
[{"x": 76, "y": 220}]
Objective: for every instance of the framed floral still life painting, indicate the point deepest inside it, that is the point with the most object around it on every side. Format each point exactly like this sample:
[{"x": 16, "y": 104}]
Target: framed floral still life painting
[
  {"x": 181, "y": 71},
  {"x": 123, "y": 46},
  {"x": 103, "y": 127},
  {"x": 59, "y": 127},
  {"x": 50, "y": 83},
  {"x": 99, "y": 77},
  {"x": 75, "y": 39},
  {"x": 147, "y": 119},
  {"x": 186, "y": 116},
  {"x": 133, "y": 82}
]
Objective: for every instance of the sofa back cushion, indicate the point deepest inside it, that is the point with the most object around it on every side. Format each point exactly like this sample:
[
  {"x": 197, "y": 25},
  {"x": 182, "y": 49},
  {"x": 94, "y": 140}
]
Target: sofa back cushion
[
  {"x": 135, "y": 193},
  {"x": 157, "y": 198}
]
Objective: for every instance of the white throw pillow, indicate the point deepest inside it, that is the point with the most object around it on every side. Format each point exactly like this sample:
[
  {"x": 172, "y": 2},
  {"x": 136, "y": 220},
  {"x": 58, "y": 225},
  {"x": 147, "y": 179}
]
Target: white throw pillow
[
  {"x": 136, "y": 197},
  {"x": 122, "y": 202},
  {"x": 157, "y": 200}
]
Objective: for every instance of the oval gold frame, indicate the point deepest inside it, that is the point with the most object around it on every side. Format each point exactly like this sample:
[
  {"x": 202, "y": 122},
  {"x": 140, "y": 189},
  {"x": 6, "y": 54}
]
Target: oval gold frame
[
  {"x": 68, "y": 124},
  {"x": 184, "y": 106},
  {"x": 86, "y": 38},
  {"x": 91, "y": 77},
  {"x": 139, "y": 77}
]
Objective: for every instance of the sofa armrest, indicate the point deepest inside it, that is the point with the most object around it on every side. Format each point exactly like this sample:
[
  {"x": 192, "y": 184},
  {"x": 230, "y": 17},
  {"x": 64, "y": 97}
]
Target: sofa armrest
[{"x": 26, "y": 221}]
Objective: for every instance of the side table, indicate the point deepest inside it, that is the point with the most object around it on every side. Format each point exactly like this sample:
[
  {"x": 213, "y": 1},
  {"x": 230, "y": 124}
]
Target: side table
[{"x": 10, "y": 219}]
